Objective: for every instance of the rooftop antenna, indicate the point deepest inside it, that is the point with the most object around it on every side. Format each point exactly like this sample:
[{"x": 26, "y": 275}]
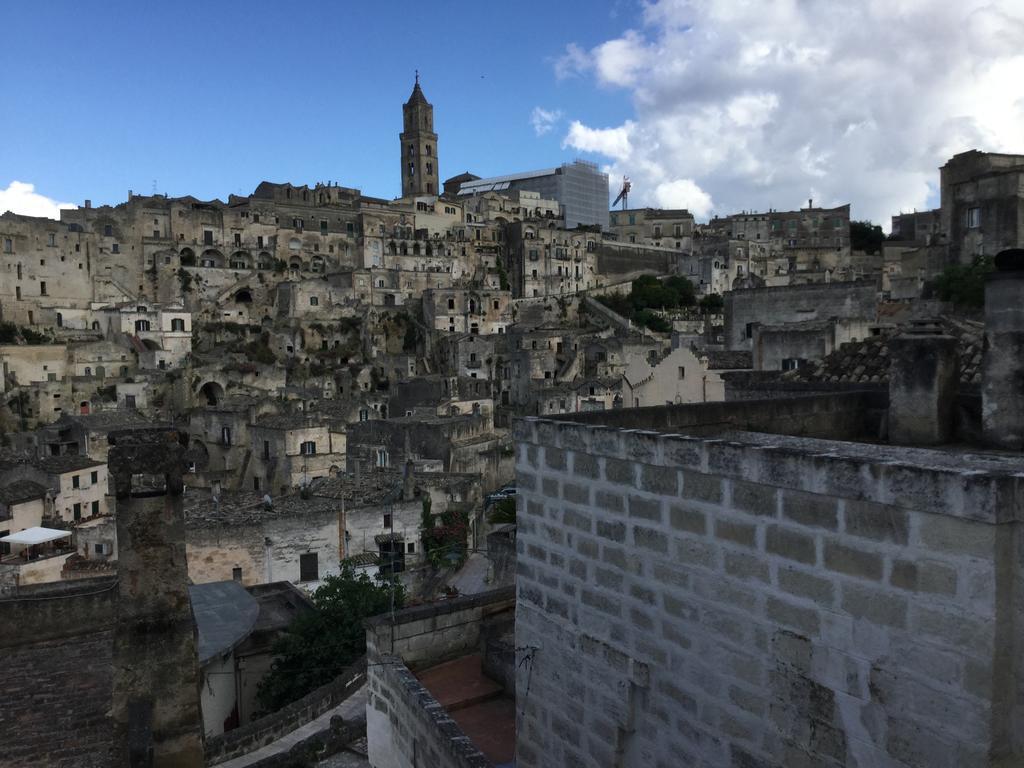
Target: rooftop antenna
[
  {"x": 154, "y": 187},
  {"x": 623, "y": 193},
  {"x": 417, "y": 77}
]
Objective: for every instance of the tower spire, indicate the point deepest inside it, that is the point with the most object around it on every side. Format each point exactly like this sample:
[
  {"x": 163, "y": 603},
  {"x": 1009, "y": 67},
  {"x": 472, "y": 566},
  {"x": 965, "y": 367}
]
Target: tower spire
[{"x": 417, "y": 77}]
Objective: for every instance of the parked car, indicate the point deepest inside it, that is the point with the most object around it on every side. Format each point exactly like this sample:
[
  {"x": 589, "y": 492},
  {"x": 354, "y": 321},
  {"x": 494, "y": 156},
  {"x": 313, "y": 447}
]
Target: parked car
[{"x": 505, "y": 492}]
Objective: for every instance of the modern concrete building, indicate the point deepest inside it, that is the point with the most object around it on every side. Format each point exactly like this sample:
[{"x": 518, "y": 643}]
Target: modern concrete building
[{"x": 579, "y": 187}]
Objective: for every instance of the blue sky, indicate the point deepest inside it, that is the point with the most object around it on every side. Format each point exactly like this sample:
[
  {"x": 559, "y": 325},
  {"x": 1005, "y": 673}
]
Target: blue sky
[
  {"x": 713, "y": 105},
  {"x": 211, "y": 98}
]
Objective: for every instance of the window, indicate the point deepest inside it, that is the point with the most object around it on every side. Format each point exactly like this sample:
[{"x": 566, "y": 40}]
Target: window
[
  {"x": 236, "y": 574},
  {"x": 95, "y": 508},
  {"x": 383, "y": 459},
  {"x": 255, "y": 218},
  {"x": 207, "y": 237},
  {"x": 51, "y": 239},
  {"x": 8, "y": 245},
  {"x": 411, "y": 548},
  {"x": 412, "y": 169},
  {"x": 108, "y": 230},
  {"x": 308, "y": 448},
  {"x": 42, "y": 288},
  {"x": 748, "y": 331},
  {"x": 77, "y": 511},
  {"x": 178, "y": 324},
  {"x": 17, "y": 292},
  {"x": 682, "y": 372},
  {"x": 430, "y": 168},
  {"x": 129, "y": 402},
  {"x": 973, "y": 218},
  {"x": 259, "y": 241},
  {"x": 314, "y": 301},
  {"x": 364, "y": 414},
  {"x": 225, "y": 435},
  {"x": 309, "y": 568},
  {"x": 792, "y": 363},
  {"x": 451, "y": 303},
  {"x": 76, "y": 482},
  {"x": 323, "y": 226},
  {"x": 141, "y": 325},
  {"x": 238, "y": 238},
  {"x": 255, "y": 483},
  {"x": 94, "y": 477}
]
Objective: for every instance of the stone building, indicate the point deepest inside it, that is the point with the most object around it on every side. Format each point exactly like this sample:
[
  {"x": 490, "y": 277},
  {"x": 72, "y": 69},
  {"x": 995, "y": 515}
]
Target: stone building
[
  {"x": 982, "y": 204},
  {"x": 237, "y": 535},
  {"x": 45, "y": 264},
  {"x": 919, "y": 227},
  {"x": 660, "y": 227},
  {"x": 290, "y": 450},
  {"x": 467, "y": 311},
  {"x": 853, "y": 306}
]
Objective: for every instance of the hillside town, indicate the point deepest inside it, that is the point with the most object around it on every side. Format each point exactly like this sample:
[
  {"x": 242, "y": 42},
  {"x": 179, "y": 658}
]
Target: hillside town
[{"x": 618, "y": 483}]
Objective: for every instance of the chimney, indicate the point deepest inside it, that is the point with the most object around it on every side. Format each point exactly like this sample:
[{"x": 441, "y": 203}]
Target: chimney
[
  {"x": 156, "y": 681},
  {"x": 129, "y": 194},
  {"x": 810, "y": 202},
  {"x": 1002, "y": 381},
  {"x": 88, "y": 203},
  {"x": 924, "y": 375}
]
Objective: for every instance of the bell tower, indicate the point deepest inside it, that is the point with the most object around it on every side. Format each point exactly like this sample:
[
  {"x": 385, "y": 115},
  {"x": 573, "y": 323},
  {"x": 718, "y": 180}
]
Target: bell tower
[{"x": 419, "y": 145}]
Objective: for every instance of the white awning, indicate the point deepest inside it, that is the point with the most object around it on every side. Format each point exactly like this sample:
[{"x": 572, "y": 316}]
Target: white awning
[{"x": 35, "y": 535}]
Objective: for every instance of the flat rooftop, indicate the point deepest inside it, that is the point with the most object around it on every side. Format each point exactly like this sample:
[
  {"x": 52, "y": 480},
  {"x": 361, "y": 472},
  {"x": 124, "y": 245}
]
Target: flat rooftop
[{"x": 477, "y": 704}]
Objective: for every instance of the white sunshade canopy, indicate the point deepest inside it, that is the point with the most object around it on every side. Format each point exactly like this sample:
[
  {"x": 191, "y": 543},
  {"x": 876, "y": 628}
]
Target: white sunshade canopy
[{"x": 35, "y": 535}]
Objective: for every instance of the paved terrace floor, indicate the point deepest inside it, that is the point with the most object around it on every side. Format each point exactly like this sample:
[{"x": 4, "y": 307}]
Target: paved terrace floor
[{"x": 477, "y": 703}]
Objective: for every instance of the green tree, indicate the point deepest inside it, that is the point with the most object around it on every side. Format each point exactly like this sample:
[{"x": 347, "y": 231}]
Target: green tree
[
  {"x": 711, "y": 304},
  {"x": 865, "y": 236},
  {"x": 319, "y": 645},
  {"x": 964, "y": 284}
]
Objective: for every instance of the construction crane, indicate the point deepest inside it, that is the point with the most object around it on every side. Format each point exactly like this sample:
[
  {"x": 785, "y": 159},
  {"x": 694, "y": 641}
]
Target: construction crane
[{"x": 623, "y": 193}]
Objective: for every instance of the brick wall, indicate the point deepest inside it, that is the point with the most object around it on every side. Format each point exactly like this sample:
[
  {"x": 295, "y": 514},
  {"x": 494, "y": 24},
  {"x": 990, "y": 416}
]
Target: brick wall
[
  {"x": 763, "y": 601},
  {"x": 57, "y": 645}
]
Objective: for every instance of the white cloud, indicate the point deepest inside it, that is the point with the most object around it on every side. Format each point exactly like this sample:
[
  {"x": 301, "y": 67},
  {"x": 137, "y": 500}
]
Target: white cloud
[
  {"x": 859, "y": 102},
  {"x": 21, "y": 197},
  {"x": 543, "y": 120},
  {"x": 575, "y": 61},
  {"x": 683, "y": 193},
  {"x": 612, "y": 142}
]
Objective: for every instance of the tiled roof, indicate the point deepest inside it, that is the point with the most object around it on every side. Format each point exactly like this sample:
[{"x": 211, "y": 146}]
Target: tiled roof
[
  {"x": 867, "y": 360},
  {"x": 21, "y": 490}
]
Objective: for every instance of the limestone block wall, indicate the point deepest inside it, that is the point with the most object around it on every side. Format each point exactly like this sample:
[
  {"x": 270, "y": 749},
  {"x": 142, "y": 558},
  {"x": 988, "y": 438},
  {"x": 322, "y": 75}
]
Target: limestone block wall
[{"x": 764, "y": 601}]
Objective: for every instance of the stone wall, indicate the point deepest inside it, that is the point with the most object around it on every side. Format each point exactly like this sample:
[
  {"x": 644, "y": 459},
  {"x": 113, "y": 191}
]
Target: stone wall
[
  {"x": 405, "y": 724},
  {"x": 849, "y": 415},
  {"x": 259, "y": 733},
  {"x": 57, "y": 644},
  {"x": 763, "y": 601},
  {"x": 796, "y": 304}
]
